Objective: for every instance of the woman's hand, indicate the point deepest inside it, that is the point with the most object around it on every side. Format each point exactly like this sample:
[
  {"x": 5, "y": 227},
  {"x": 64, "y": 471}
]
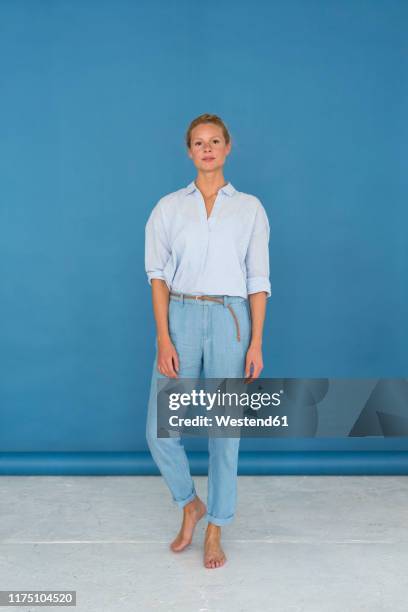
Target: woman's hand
[
  {"x": 167, "y": 358},
  {"x": 254, "y": 357}
]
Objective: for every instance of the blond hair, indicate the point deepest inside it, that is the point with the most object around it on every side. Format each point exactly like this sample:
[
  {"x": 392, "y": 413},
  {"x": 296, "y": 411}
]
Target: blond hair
[{"x": 207, "y": 118}]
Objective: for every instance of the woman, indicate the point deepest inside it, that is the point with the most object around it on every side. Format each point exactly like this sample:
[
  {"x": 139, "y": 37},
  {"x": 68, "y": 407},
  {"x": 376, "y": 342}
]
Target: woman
[{"x": 206, "y": 255}]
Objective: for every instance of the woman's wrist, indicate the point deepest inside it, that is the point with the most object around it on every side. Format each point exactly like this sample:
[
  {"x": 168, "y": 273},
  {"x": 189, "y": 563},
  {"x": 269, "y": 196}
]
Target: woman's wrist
[{"x": 163, "y": 337}]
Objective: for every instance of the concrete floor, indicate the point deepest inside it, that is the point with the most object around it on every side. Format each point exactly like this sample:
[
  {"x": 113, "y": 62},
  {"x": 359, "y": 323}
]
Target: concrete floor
[{"x": 298, "y": 543}]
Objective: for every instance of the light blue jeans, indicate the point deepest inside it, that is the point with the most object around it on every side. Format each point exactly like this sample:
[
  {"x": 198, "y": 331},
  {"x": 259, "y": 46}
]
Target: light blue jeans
[{"x": 204, "y": 334}]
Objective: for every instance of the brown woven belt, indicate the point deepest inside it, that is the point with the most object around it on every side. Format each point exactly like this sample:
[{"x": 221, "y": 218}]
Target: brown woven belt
[{"x": 211, "y": 298}]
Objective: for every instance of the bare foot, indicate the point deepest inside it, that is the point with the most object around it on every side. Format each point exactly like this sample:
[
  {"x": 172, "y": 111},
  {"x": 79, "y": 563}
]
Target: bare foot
[
  {"x": 213, "y": 554},
  {"x": 192, "y": 513}
]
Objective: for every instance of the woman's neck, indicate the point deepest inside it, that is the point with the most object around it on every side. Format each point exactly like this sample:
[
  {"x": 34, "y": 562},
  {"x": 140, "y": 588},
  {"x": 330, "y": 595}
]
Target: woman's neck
[{"x": 209, "y": 184}]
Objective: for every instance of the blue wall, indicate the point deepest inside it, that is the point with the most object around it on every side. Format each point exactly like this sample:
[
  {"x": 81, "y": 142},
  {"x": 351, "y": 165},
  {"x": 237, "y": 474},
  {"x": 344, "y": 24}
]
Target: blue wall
[{"x": 95, "y": 101}]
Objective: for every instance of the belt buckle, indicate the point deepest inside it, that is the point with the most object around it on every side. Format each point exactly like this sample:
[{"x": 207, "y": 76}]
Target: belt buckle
[{"x": 197, "y": 297}]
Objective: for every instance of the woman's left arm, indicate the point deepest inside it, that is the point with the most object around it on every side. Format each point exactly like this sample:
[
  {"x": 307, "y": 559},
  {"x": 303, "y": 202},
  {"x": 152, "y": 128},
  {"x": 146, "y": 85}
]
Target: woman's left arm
[
  {"x": 257, "y": 303},
  {"x": 259, "y": 288}
]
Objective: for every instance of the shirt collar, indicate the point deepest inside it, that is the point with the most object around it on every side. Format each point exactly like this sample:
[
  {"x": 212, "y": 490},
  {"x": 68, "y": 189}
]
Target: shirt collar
[{"x": 228, "y": 188}]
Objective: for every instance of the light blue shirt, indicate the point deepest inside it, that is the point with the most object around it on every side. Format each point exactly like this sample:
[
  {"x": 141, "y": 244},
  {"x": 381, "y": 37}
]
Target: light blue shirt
[{"x": 226, "y": 254}]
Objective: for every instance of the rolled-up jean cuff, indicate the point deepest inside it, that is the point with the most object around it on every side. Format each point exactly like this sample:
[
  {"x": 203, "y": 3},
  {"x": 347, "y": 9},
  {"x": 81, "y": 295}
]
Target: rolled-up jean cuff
[
  {"x": 183, "y": 502},
  {"x": 219, "y": 521}
]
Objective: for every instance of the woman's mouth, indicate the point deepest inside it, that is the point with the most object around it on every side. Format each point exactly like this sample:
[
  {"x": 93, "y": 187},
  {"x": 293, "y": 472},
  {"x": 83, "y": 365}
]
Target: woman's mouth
[{"x": 208, "y": 159}]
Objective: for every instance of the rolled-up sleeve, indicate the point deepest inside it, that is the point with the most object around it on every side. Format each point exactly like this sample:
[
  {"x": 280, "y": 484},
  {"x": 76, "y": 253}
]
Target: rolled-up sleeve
[
  {"x": 157, "y": 249},
  {"x": 257, "y": 257}
]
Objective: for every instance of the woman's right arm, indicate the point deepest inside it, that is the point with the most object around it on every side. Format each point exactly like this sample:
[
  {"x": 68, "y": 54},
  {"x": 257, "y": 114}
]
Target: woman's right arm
[
  {"x": 167, "y": 357},
  {"x": 157, "y": 254}
]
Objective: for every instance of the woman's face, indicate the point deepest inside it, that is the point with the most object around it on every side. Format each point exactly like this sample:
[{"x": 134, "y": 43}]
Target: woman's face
[{"x": 208, "y": 149}]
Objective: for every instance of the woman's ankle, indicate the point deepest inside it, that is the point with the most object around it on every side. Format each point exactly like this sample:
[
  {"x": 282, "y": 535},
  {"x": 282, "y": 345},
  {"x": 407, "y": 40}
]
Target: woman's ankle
[
  {"x": 191, "y": 505},
  {"x": 212, "y": 528}
]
